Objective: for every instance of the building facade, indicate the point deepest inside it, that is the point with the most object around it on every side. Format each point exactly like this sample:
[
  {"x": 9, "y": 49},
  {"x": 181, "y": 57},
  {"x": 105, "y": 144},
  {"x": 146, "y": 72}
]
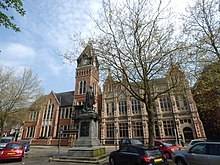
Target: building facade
[
  {"x": 46, "y": 120},
  {"x": 121, "y": 115},
  {"x": 57, "y": 114},
  {"x": 176, "y": 115}
]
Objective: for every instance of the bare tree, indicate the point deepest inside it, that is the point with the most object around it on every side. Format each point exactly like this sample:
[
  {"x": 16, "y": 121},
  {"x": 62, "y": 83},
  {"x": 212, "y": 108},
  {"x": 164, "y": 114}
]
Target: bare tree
[
  {"x": 202, "y": 29},
  {"x": 17, "y": 91},
  {"x": 135, "y": 41}
]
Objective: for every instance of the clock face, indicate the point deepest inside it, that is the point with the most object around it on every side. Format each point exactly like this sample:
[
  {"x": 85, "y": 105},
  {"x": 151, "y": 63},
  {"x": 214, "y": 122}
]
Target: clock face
[{"x": 85, "y": 62}]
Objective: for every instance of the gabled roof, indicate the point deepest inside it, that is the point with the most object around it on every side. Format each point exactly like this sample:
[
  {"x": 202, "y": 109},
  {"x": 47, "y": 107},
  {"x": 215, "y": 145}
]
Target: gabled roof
[{"x": 65, "y": 98}]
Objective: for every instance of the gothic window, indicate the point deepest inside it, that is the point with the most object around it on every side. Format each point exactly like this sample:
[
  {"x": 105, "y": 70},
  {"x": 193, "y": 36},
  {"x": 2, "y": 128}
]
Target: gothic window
[
  {"x": 110, "y": 130},
  {"x": 182, "y": 102},
  {"x": 94, "y": 88},
  {"x": 110, "y": 109},
  {"x": 168, "y": 127},
  {"x": 34, "y": 116},
  {"x": 123, "y": 130},
  {"x": 137, "y": 129},
  {"x": 136, "y": 106},
  {"x": 42, "y": 132},
  {"x": 165, "y": 103},
  {"x": 122, "y": 108},
  {"x": 30, "y": 132},
  {"x": 82, "y": 87}
]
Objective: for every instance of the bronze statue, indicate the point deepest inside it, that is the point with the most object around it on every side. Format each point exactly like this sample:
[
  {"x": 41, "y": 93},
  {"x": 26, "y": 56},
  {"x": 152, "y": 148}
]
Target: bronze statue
[{"x": 90, "y": 100}]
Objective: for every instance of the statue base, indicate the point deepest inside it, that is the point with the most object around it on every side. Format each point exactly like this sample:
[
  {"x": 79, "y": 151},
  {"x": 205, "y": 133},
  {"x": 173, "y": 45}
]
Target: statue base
[{"x": 87, "y": 144}]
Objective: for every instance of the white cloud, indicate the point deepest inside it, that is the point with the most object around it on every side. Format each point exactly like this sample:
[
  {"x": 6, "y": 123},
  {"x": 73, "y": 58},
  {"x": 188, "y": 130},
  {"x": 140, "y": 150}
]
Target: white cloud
[{"x": 17, "y": 50}]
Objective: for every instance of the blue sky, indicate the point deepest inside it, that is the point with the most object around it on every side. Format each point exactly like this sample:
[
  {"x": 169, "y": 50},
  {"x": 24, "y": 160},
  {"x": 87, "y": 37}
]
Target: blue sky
[{"x": 45, "y": 30}]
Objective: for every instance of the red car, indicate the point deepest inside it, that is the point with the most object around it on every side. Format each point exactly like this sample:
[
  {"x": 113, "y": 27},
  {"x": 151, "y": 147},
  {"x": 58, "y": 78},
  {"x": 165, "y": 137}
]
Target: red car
[
  {"x": 13, "y": 150},
  {"x": 166, "y": 147}
]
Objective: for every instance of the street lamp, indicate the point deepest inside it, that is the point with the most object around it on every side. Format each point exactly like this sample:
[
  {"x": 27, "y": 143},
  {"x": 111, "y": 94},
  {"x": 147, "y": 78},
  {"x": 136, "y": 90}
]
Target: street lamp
[{"x": 60, "y": 132}]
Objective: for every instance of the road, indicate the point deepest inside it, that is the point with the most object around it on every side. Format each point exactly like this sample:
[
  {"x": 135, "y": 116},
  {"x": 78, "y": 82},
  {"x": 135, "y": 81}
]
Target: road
[{"x": 40, "y": 155}]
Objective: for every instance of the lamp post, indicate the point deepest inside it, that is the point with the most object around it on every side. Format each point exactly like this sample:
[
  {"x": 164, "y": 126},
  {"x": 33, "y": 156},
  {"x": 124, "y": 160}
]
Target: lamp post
[{"x": 60, "y": 132}]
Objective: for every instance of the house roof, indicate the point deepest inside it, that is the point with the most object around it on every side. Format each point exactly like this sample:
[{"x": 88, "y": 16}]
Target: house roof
[{"x": 65, "y": 98}]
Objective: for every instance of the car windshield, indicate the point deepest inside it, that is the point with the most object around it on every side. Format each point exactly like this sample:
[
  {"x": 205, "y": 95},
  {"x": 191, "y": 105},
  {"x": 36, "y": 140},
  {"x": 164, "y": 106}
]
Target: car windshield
[
  {"x": 5, "y": 140},
  {"x": 136, "y": 142},
  {"x": 167, "y": 144},
  {"x": 153, "y": 153},
  {"x": 13, "y": 145}
]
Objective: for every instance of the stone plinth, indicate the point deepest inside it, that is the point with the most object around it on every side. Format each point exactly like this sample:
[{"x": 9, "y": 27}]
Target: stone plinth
[
  {"x": 87, "y": 151},
  {"x": 87, "y": 144}
]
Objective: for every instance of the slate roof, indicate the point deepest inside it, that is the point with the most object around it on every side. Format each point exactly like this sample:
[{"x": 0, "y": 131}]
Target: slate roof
[{"x": 65, "y": 98}]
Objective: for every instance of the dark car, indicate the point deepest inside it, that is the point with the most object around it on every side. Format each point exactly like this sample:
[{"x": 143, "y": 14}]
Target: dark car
[
  {"x": 137, "y": 155},
  {"x": 13, "y": 150},
  {"x": 127, "y": 142},
  {"x": 26, "y": 145}
]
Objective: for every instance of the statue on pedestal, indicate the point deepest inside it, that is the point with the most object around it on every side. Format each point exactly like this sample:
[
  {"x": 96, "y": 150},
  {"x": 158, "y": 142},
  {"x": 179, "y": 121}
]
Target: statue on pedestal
[{"x": 88, "y": 109}]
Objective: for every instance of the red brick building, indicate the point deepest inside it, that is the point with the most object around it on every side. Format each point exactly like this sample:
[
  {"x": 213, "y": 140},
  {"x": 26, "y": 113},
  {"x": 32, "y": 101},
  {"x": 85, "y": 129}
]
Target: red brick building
[{"x": 58, "y": 109}]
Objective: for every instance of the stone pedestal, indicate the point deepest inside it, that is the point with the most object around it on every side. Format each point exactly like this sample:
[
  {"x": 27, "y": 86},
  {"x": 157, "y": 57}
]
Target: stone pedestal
[{"x": 87, "y": 144}]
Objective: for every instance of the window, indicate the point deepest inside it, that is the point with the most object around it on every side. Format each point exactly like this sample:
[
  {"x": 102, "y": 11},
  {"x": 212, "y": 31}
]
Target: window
[
  {"x": 137, "y": 129},
  {"x": 165, "y": 104},
  {"x": 34, "y": 116},
  {"x": 136, "y": 106},
  {"x": 30, "y": 132},
  {"x": 66, "y": 113},
  {"x": 64, "y": 127},
  {"x": 122, "y": 108},
  {"x": 49, "y": 111},
  {"x": 198, "y": 149},
  {"x": 214, "y": 149},
  {"x": 168, "y": 127},
  {"x": 82, "y": 87},
  {"x": 110, "y": 109},
  {"x": 123, "y": 127},
  {"x": 182, "y": 102},
  {"x": 94, "y": 89},
  {"x": 110, "y": 130},
  {"x": 157, "y": 132}
]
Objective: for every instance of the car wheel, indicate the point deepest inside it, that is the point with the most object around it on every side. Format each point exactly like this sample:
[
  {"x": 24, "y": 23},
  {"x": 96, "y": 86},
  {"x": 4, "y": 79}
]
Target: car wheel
[
  {"x": 180, "y": 161},
  {"x": 112, "y": 161},
  {"x": 168, "y": 156}
]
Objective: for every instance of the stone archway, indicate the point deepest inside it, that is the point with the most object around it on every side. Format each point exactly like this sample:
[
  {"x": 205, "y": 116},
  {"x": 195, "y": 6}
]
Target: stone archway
[{"x": 188, "y": 134}]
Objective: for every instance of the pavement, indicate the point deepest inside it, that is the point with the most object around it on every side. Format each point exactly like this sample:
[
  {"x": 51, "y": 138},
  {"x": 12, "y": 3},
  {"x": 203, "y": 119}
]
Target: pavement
[{"x": 52, "y": 153}]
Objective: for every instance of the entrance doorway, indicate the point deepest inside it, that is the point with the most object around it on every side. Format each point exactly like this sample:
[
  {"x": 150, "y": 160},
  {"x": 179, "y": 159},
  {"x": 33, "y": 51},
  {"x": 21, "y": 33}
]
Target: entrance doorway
[{"x": 188, "y": 134}]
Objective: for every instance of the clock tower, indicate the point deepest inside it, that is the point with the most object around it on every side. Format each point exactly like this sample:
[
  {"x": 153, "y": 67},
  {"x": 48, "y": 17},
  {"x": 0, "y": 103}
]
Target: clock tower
[{"x": 87, "y": 74}]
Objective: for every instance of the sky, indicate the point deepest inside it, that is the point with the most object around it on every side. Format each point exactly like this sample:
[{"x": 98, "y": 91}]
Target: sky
[{"x": 46, "y": 30}]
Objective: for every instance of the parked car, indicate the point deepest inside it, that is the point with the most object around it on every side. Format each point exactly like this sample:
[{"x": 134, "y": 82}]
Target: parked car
[
  {"x": 202, "y": 153},
  {"x": 137, "y": 155},
  {"x": 26, "y": 145},
  {"x": 166, "y": 147},
  {"x": 5, "y": 140},
  {"x": 193, "y": 142},
  {"x": 13, "y": 150},
  {"x": 127, "y": 142}
]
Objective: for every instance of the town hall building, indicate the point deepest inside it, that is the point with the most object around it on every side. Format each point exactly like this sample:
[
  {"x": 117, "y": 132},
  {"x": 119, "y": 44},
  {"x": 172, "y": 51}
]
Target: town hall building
[{"x": 121, "y": 116}]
